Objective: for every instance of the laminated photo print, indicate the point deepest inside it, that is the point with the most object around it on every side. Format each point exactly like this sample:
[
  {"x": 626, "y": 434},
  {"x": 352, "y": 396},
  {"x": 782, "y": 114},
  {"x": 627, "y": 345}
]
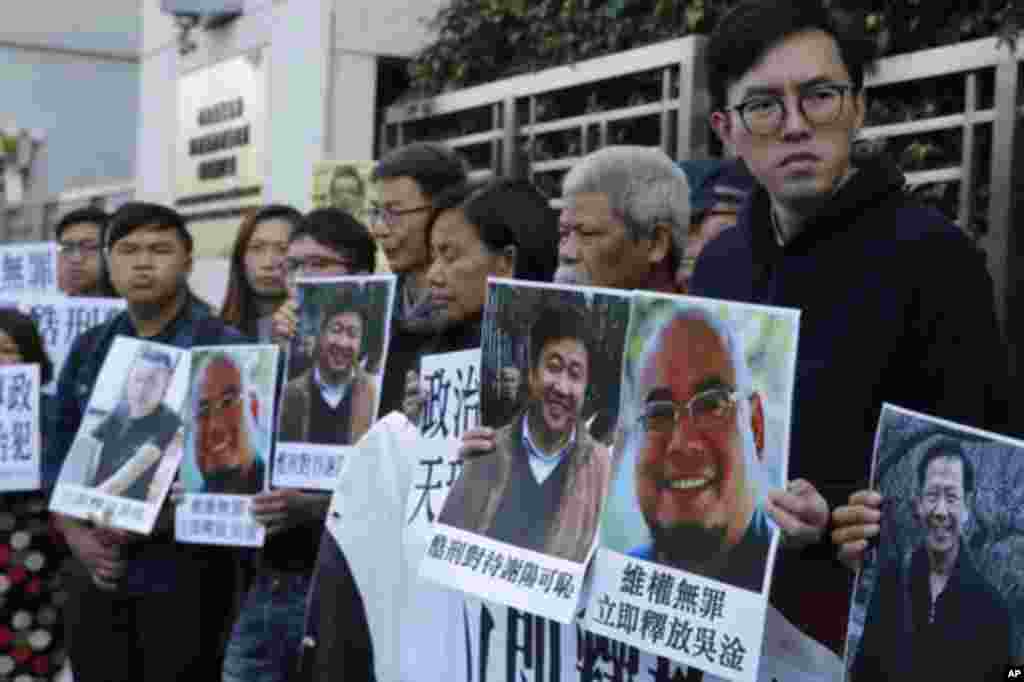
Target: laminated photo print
[
  {"x": 520, "y": 523},
  {"x": 127, "y": 450},
  {"x": 686, "y": 551},
  {"x": 333, "y": 392},
  {"x": 941, "y": 594},
  {"x": 229, "y": 439}
]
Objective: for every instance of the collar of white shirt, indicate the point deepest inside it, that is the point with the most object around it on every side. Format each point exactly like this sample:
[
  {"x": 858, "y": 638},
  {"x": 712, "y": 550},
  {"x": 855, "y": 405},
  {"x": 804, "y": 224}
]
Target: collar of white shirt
[
  {"x": 541, "y": 463},
  {"x": 332, "y": 394}
]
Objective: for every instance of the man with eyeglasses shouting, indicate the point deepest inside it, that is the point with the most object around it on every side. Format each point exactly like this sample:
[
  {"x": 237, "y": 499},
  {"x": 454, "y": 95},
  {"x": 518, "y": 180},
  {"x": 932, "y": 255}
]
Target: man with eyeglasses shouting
[
  {"x": 700, "y": 452},
  {"x": 874, "y": 273},
  {"x": 80, "y": 268}
]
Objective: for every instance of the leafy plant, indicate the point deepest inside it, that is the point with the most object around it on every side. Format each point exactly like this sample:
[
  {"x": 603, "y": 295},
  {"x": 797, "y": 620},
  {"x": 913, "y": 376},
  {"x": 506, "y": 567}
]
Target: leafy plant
[{"x": 480, "y": 41}]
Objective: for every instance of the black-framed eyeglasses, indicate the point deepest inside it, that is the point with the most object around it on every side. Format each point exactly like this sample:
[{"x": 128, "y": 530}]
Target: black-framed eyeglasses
[
  {"x": 78, "y": 248},
  {"x": 820, "y": 105},
  {"x": 390, "y": 216},
  {"x": 208, "y": 408},
  {"x": 708, "y": 410},
  {"x": 317, "y": 264}
]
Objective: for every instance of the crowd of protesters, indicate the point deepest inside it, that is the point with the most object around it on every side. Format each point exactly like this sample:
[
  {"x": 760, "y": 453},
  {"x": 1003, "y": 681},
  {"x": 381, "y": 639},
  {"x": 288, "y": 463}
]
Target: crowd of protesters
[{"x": 791, "y": 219}]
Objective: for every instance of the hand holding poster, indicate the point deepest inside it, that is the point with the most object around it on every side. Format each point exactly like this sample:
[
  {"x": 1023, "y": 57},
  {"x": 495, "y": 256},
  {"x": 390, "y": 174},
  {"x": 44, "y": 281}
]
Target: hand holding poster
[
  {"x": 20, "y": 461},
  {"x": 334, "y": 393},
  {"x": 228, "y": 443},
  {"x": 941, "y": 597},
  {"x": 686, "y": 547},
  {"x": 28, "y": 268},
  {"x": 128, "y": 448},
  {"x": 519, "y": 525}
]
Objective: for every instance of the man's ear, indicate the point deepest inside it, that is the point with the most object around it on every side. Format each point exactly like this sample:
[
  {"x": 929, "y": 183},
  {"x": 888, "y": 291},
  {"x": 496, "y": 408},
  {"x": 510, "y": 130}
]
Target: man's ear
[
  {"x": 721, "y": 123},
  {"x": 661, "y": 243},
  {"x": 757, "y": 424},
  {"x": 506, "y": 262},
  {"x": 860, "y": 107}
]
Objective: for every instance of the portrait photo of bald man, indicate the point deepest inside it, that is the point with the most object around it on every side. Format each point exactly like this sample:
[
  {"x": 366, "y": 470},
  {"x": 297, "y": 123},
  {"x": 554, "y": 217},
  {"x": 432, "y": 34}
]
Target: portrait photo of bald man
[{"x": 704, "y": 421}]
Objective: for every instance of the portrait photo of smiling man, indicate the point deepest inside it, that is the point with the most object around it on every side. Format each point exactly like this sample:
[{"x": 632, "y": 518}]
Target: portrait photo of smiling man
[
  {"x": 231, "y": 402},
  {"x": 334, "y": 401},
  {"x": 940, "y": 595},
  {"x": 542, "y": 486},
  {"x": 346, "y": 322},
  {"x": 704, "y": 422}
]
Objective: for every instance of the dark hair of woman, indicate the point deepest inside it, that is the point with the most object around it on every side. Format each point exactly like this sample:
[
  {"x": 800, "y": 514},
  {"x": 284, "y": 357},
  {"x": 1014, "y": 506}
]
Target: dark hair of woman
[
  {"x": 239, "y": 310},
  {"x": 23, "y": 331}
]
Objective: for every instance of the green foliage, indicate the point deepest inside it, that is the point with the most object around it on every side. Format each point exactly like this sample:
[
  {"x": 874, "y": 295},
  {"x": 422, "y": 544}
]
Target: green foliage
[
  {"x": 480, "y": 41},
  {"x": 8, "y": 145},
  {"x": 483, "y": 40}
]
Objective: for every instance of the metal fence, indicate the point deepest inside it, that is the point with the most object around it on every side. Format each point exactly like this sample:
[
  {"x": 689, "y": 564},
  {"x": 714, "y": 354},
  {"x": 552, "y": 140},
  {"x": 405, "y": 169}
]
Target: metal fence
[{"x": 540, "y": 124}]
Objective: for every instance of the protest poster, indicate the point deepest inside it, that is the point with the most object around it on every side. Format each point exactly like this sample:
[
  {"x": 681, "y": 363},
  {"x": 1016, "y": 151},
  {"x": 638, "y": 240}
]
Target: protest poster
[
  {"x": 423, "y": 631},
  {"x": 347, "y": 185},
  {"x": 127, "y": 450},
  {"x": 20, "y": 449},
  {"x": 687, "y": 550},
  {"x": 28, "y": 267},
  {"x": 451, "y": 393},
  {"x": 61, "y": 319},
  {"x": 333, "y": 392},
  {"x": 940, "y": 596},
  {"x": 520, "y": 523},
  {"x": 229, "y": 440}
]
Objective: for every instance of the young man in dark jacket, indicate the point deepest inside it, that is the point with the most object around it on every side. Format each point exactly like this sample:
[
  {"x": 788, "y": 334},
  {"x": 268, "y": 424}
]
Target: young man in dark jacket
[
  {"x": 897, "y": 305},
  {"x": 142, "y": 608}
]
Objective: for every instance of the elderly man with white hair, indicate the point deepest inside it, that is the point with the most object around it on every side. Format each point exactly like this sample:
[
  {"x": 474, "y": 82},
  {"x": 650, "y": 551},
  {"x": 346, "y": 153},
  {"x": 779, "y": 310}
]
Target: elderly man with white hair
[{"x": 625, "y": 220}]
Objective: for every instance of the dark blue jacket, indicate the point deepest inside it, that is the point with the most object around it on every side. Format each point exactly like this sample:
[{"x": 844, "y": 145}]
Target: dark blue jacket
[
  {"x": 896, "y": 306},
  {"x": 970, "y": 636},
  {"x": 153, "y": 561}
]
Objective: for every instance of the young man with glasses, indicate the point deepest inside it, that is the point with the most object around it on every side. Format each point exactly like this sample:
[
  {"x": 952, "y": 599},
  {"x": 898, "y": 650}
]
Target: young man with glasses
[
  {"x": 893, "y": 295},
  {"x": 700, "y": 452},
  {"x": 80, "y": 269},
  {"x": 142, "y": 608},
  {"x": 409, "y": 178},
  {"x": 266, "y": 638},
  {"x": 327, "y": 243}
]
